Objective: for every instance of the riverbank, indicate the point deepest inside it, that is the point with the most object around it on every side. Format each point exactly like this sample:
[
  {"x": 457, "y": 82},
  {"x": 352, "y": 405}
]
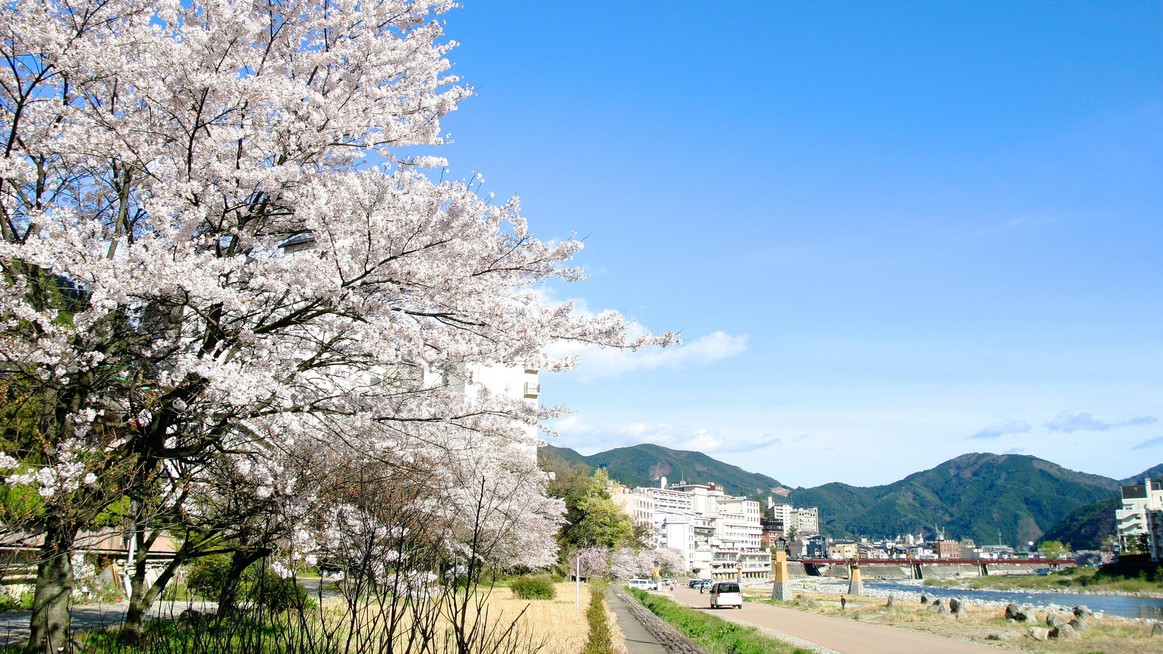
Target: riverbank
[
  {"x": 1073, "y": 580},
  {"x": 1115, "y": 606},
  {"x": 984, "y": 623}
]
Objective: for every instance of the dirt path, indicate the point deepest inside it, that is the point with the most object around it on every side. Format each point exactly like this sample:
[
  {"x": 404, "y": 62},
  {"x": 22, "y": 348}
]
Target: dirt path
[{"x": 838, "y": 634}]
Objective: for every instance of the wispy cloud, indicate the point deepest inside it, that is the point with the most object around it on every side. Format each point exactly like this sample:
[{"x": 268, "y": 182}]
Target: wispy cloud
[
  {"x": 598, "y": 363},
  {"x": 678, "y": 437},
  {"x": 699, "y": 439},
  {"x": 1149, "y": 443},
  {"x": 1071, "y": 422},
  {"x": 1014, "y": 450},
  {"x": 594, "y": 362},
  {"x": 998, "y": 429}
]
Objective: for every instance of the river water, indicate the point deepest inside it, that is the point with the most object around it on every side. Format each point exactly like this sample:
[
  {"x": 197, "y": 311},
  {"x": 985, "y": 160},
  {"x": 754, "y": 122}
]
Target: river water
[{"x": 1150, "y": 608}]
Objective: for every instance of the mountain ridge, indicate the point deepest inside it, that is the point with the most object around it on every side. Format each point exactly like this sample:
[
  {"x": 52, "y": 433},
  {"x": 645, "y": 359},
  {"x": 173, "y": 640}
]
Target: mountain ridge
[{"x": 1012, "y": 498}]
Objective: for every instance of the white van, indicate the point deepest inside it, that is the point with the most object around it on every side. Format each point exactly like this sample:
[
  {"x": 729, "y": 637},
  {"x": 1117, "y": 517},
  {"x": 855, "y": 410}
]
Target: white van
[
  {"x": 642, "y": 584},
  {"x": 726, "y": 593}
]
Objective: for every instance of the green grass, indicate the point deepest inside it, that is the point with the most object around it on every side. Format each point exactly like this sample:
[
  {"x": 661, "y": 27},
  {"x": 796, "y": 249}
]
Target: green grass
[{"x": 715, "y": 635}]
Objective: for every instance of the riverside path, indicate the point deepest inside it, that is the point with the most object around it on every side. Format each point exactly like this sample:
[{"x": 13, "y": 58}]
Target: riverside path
[{"x": 833, "y": 634}]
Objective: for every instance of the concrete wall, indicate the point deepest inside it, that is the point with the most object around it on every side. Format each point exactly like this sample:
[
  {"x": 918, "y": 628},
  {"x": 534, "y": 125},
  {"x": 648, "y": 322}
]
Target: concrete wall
[
  {"x": 950, "y": 571},
  {"x": 1001, "y": 569}
]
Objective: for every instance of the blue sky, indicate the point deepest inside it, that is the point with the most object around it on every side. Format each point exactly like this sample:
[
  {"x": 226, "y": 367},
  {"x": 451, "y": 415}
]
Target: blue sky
[{"x": 889, "y": 233}]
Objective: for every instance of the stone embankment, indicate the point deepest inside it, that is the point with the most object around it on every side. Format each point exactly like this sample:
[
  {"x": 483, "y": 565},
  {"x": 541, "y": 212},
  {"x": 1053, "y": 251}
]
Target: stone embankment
[{"x": 667, "y": 636}]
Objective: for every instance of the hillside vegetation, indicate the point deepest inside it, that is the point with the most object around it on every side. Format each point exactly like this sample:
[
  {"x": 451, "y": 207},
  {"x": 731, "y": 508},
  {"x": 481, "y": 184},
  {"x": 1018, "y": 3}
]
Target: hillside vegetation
[
  {"x": 981, "y": 496},
  {"x": 1013, "y": 499}
]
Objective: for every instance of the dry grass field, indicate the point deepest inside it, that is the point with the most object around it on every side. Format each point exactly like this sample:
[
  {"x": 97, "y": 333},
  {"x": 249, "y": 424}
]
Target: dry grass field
[
  {"x": 1104, "y": 635},
  {"x": 556, "y": 626}
]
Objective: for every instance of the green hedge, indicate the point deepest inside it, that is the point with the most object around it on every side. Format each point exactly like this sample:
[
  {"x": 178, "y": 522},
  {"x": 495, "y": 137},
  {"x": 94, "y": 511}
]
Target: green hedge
[
  {"x": 533, "y": 588},
  {"x": 599, "y": 641}
]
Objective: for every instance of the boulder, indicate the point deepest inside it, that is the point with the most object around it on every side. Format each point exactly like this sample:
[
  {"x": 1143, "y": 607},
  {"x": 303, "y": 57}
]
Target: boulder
[
  {"x": 924, "y": 599},
  {"x": 1065, "y": 632},
  {"x": 1053, "y": 620},
  {"x": 1039, "y": 633},
  {"x": 193, "y": 619},
  {"x": 957, "y": 607},
  {"x": 1000, "y": 635},
  {"x": 1015, "y": 613},
  {"x": 1082, "y": 611},
  {"x": 1157, "y": 629},
  {"x": 889, "y": 603},
  {"x": 1079, "y": 624}
]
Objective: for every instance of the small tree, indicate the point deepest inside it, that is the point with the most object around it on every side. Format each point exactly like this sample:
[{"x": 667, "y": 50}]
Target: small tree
[{"x": 1054, "y": 550}]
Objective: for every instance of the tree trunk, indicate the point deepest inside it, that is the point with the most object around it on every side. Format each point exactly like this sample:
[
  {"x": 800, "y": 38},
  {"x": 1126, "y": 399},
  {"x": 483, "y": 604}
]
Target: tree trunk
[
  {"x": 142, "y": 598},
  {"x": 49, "y": 625},
  {"x": 239, "y": 562}
]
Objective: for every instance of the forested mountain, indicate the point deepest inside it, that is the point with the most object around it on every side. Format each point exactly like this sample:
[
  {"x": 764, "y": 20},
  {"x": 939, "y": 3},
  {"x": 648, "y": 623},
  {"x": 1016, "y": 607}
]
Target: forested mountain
[
  {"x": 1155, "y": 473},
  {"x": 1086, "y": 527},
  {"x": 643, "y": 465},
  {"x": 1013, "y": 499},
  {"x": 986, "y": 497}
]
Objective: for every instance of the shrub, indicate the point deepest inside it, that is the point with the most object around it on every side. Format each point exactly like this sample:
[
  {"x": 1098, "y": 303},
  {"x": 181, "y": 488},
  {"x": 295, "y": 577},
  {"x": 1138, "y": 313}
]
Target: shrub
[
  {"x": 258, "y": 585},
  {"x": 207, "y": 576},
  {"x": 266, "y": 588},
  {"x": 9, "y": 603},
  {"x": 533, "y": 588}
]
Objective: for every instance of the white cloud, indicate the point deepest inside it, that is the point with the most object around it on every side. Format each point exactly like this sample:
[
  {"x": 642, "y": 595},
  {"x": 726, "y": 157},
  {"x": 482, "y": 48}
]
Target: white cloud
[
  {"x": 1070, "y": 422},
  {"x": 1002, "y": 428},
  {"x": 594, "y": 362},
  {"x": 584, "y": 437},
  {"x": 597, "y": 363}
]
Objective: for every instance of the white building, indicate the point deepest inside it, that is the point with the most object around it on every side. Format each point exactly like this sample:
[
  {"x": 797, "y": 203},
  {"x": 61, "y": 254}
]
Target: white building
[
  {"x": 640, "y": 507},
  {"x": 1133, "y": 518},
  {"x": 719, "y": 535},
  {"x": 807, "y": 521}
]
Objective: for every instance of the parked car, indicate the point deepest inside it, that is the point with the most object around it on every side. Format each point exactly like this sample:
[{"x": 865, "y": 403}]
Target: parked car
[
  {"x": 702, "y": 584},
  {"x": 642, "y": 584},
  {"x": 726, "y": 593}
]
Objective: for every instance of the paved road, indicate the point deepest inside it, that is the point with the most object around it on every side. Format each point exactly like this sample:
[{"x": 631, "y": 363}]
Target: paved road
[
  {"x": 836, "y": 634},
  {"x": 14, "y": 626}
]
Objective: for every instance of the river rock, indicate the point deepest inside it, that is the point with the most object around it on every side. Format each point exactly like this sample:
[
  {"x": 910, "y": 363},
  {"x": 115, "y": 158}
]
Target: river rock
[
  {"x": 1015, "y": 613},
  {"x": 1039, "y": 633},
  {"x": 1053, "y": 620},
  {"x": 1082, "y": 611},
  {"x": 1064, "y": 631},
  {"x": 924, "y": 598},
  {"x": 956, "y": 607}
]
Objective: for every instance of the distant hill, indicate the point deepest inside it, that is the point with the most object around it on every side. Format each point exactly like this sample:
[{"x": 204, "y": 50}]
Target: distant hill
[
  {"x": 985, "y": 497},
  {"x": 1154, "y": 473},
  {"x": 643, "y": 465},
  {"x": 1086, "y": 527},
  {"x": 981, "y": 496}
]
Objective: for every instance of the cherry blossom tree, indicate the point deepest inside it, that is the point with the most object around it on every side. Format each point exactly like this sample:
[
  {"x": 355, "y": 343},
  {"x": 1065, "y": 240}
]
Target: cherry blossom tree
[{"x": 212, "y": 245}]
